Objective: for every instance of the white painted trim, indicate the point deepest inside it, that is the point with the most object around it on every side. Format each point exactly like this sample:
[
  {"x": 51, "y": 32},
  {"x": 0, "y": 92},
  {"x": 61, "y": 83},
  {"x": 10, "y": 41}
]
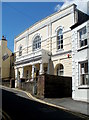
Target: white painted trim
[
  {"x": 81, "y": 26},
  {"x": 42, "y": 40},
  {"x": 43, "y": 25},
  {"x": 83, "y": 47},
  {"x": 59, "y": 27},
  {"x": 83, "y": 86},
  {"x": 67, "y": 30}
]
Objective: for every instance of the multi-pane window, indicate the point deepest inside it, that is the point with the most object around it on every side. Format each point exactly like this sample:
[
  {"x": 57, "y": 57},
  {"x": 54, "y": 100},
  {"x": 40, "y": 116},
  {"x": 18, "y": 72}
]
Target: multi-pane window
[
  {"x": 59, "y": 39},
  {"x": 37, "y": 43},
  {"x": 82, "y": 37},
  {"x": 20, "y": 51},
  {"x": 84, "y": 77},
  {"x": 60, "y": 70}
]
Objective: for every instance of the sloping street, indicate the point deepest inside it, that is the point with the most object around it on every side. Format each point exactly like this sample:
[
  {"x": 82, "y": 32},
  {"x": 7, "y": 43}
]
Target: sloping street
[{"x": 18, "y": 106}]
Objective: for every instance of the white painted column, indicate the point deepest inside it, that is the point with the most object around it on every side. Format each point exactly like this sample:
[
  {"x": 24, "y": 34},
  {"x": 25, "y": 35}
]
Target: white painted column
[
  {"x": 88, "y": 48},
  {"x": 33, "y": 68},
  {"x": 41, "y": 69},
  {"x": 50, "y": 34},
  {"x": 27, "y": 41},
  {"x": 22, "y": 72},
  {"x": 16, "y": 77},
  {"x": 88, "y": 71}
]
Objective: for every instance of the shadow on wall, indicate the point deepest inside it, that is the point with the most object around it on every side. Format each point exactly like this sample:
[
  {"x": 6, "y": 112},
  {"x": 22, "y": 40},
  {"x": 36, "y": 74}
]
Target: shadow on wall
[{"x": 51, "y": 86}]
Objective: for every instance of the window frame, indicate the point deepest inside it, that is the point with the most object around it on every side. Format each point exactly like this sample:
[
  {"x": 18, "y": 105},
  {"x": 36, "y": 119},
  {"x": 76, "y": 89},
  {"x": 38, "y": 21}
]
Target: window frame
[
  {"x": 82, "y": 39},
  {"x": 20, "y": 51},
  {"x": 60, "y": 39},
  {"x": 83, "y": 74},
  {"x": 60, "y": 70},
  {"x": 37, "y": 43}
]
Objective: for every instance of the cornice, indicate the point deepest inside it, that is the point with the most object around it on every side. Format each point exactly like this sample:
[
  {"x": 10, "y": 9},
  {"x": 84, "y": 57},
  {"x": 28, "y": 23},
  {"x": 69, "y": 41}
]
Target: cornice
[
  {"x": 50, "y": 21},
  {"x": 33, "y": 59}
]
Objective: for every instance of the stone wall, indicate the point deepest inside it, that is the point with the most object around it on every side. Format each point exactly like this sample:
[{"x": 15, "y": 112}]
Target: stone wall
[
  {"x": 41, "y": 86},
  {"x": 6, "y": 83},
  {"x": 51, "y": 86},
  {"x": 28, "y": 86}
]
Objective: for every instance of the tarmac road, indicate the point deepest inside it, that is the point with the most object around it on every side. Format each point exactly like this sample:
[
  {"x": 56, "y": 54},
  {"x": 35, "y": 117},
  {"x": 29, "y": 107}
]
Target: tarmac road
[{"x": 18, "y": 106}]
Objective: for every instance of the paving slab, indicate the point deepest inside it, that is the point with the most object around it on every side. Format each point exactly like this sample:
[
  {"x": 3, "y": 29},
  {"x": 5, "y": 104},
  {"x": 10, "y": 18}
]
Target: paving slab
[{"x": 69, "y": 103}]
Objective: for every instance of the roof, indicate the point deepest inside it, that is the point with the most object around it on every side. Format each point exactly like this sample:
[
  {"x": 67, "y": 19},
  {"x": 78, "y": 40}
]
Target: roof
[{"x": 81, "y": 21}]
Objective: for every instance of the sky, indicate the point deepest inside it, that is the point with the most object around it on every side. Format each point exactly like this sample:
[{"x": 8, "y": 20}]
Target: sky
[{"x": 18, "y": 16}]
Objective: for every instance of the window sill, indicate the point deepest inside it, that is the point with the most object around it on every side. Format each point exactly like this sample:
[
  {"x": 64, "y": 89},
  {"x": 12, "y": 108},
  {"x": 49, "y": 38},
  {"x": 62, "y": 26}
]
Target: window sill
[
  {"x": 81, "y": 48},
  {"x": 83, "y": 87},
  {"x": 36, "y": 50},
  {"x": 60, "y": 50}
]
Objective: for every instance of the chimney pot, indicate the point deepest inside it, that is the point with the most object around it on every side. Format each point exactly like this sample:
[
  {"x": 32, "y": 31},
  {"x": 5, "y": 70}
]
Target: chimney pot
[{"x": 3, "y": 38}]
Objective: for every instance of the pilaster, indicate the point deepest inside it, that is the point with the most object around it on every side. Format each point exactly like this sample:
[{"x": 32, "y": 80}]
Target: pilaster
[{"x": 41, "y": 69}]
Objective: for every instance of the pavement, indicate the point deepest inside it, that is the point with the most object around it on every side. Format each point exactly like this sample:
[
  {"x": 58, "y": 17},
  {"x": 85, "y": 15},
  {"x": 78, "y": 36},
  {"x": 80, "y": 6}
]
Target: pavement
[{"x": 68, "y": 104}]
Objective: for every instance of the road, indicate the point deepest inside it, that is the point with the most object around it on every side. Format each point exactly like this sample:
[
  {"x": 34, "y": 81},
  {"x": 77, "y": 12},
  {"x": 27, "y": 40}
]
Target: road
[{"x": 18, "y": 106}]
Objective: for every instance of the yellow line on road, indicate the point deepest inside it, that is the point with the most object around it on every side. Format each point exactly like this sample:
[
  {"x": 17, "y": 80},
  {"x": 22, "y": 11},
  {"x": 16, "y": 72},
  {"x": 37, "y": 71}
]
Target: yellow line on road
[{"x": 50, "y": 104}]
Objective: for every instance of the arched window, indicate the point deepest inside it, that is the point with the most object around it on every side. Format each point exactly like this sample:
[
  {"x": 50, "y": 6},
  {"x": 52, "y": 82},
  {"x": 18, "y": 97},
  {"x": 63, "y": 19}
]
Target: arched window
[
  {"x": 59, "y": 39},
  {"x": 60, "y": 70},
  {"x": 20, "y": 51},
  {"x": 37, "y": 43}
]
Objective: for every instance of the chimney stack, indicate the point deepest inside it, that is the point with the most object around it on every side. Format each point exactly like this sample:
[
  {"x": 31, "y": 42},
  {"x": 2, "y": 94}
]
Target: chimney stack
[{"x": 3, "y": 38}]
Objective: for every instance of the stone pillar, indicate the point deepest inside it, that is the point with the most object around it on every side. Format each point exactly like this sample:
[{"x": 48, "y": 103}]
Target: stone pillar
[
  {"x": 22, "y": 72},
  {"x": 50, "y": 34},
  {"x": 16, "y": 77},
  {"x": 41, "y": 69},
  {"x": 33, "y": 70}
]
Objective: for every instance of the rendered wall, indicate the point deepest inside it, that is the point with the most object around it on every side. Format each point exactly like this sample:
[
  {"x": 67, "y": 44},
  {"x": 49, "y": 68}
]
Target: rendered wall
[{"x": 80, "y": 92}]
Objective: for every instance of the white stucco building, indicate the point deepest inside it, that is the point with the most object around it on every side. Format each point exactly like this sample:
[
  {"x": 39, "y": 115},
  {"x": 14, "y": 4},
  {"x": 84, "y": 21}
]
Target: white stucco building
[
  {"x": 80, "y": 61},
  {"x": 46, "y": 46}
]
